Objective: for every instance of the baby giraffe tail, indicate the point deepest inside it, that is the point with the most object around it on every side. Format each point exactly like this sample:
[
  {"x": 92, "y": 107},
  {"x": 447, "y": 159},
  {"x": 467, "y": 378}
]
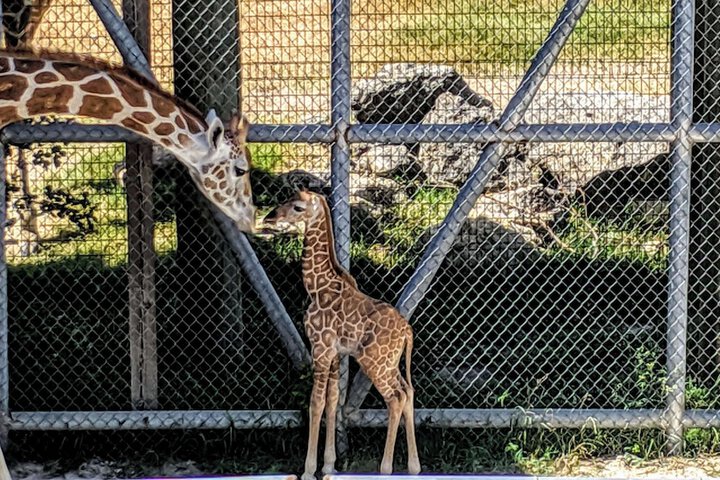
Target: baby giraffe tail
[{"x": 408, "y": 353}]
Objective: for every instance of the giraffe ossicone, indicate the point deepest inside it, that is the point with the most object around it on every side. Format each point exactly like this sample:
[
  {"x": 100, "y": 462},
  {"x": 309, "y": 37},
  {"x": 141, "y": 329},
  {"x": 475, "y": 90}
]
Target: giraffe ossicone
[
  {"x": 34, "y": 84},
  {"x": 343, "y": 320}
]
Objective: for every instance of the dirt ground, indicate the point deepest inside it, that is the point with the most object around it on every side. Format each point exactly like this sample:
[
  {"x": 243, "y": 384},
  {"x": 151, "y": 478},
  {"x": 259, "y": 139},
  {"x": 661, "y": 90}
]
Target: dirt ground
[{"x": 616, "y": 467}]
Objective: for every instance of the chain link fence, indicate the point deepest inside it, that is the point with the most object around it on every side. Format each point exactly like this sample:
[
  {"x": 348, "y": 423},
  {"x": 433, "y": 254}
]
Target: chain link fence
[{"x": 514, "y": 176}]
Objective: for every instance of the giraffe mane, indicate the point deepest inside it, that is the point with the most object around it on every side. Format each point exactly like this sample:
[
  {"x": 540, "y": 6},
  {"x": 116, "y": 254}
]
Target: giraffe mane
[
  {"x": 113, "y": 69},
  {"x": 331, "y": 235}
]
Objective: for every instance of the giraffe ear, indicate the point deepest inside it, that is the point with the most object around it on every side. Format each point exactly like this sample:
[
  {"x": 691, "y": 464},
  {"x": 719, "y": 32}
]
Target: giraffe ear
[
  {"x": 239, "y": 126},
  {"x": 215, "y": 129}
]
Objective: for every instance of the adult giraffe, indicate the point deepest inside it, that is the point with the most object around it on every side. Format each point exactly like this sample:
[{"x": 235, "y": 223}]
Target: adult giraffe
[{"x": 35, "y": 83}]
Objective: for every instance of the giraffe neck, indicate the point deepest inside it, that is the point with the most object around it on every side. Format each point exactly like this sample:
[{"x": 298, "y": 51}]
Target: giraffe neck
[
  {"x": 320, "y": 264},
  {"x": 31, "y": 86}
]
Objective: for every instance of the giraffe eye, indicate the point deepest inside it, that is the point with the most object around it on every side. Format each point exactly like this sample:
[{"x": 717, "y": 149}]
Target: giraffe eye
[
  {"x": 240, "y": 172},
  {"x": 298, "y": 209}
]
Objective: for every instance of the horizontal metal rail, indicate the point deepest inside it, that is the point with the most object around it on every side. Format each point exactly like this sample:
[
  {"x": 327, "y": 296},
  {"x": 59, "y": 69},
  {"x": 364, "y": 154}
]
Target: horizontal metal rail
[
  {"x": 465, "y": 133},
  {"x": 506, "y": 418},
  {"x": 701, "y": 418},
  {"x": 155, "y": 420},
  {"x": 440, "y": 418},
  {"x": 386, "y": 134},
  {"x": 705, "y": 133},
  {"x": 21, "y": 133}
]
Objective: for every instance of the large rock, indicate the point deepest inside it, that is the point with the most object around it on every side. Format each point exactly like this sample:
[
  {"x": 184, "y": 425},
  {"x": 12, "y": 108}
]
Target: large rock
[
  {"x": 451, "y": 163},
  {"x": 576, "y": 163},
  {"x": 378, "y": 159},
  {"x": 406, "y": 92},
  {"x": 451, "y": 108},
  {"x": 428, "y": 94},
  {"x": 637, "y": 193}
]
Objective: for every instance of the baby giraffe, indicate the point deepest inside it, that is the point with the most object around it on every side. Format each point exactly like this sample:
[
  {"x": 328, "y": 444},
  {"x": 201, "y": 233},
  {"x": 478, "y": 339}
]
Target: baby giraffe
[{"x": 343, "y": 320}]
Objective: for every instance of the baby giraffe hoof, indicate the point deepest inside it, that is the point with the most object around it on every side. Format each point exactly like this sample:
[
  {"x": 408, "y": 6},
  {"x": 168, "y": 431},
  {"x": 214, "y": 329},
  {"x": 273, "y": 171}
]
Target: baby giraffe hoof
[
  {"x": 414, "y": 469},
  {"x": 308, "y": 476},
  {"x": 329, "y": 469}
]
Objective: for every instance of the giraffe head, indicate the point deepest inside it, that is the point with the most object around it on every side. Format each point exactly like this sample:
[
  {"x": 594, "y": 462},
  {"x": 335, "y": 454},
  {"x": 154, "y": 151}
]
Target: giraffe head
[
  {"x": 222, "y": 171},
  {"x": 303, "y": 207}
]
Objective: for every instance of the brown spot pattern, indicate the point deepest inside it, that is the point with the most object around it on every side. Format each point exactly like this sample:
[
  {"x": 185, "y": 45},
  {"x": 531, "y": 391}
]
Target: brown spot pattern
[
  {"x": 100, "y": 107},
  {"x": 209, "y": 183},
  {"x": 144, "y": 117},
  {"x": 184, "y": 140},
  {"x": 165, "y": 129},
  {"x": 219, "y": 172},
  {"x": 133, "y": 94},
  {"x": 50, "y": 100},
  {"x": 134, "y": 125},
  {"x": 73, "y": 72},
  {"x": 4, "y": 65},
  {"x": 166, "y": 142},
  {"x": 162, "y": 105},
  {"x": 99, "y": 85},
  {"x": 8, "y": 115},
  {"x": 180, "y": 122},
  {"x": 12, "y": 87},
  {"x": 193, "y": 125},
  {"x": 28, "y": 66},
  {"x": 46, "y": 77}
]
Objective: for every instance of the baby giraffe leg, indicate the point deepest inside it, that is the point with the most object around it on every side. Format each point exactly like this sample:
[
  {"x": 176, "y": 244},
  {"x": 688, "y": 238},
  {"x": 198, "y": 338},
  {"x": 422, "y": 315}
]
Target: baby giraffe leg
[
  {"x": 333, "y": 394},
  {"x": 409, "y": 415},
  {"x": 395, "y": 403},
  {"x": 317, "y": 405}
]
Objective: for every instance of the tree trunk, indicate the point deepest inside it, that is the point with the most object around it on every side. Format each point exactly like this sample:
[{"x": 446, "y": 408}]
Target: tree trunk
[
  {"x": 141, "y": 248},
  {"x": 206, "y": 74}
]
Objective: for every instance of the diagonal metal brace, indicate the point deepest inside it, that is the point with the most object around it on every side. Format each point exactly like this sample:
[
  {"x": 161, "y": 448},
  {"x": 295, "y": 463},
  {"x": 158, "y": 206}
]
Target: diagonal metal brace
[
  {"x": 511, "y": 117},
  {"x": 122, "y": 38}
]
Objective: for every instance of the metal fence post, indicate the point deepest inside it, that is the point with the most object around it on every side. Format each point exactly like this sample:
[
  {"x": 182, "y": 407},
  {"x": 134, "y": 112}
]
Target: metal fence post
[
  {"x": 340, "y": 105},
  {"x": 4, "y": 361},
  {"x": 441, "y": 242},
  {"x": 340, "y": 84},
  {"x": 4, "y": 367},
  {"x": 681, "y": 109}
]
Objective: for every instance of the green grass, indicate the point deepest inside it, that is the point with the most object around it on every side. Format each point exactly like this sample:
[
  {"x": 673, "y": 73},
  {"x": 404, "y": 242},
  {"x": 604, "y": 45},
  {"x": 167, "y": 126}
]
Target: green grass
[
  {"x": 88, "y": 172},
  {"x": 591, "y": 238},
  {"x": 510, "y": 32},
  {"x": 267, "y": 156},
  {"x": 403, "y": 225}
]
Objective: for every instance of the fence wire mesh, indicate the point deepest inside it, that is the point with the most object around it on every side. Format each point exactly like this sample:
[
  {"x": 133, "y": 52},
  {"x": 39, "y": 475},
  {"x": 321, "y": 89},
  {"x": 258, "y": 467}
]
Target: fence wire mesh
[{"x": 553, "y": 296}]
